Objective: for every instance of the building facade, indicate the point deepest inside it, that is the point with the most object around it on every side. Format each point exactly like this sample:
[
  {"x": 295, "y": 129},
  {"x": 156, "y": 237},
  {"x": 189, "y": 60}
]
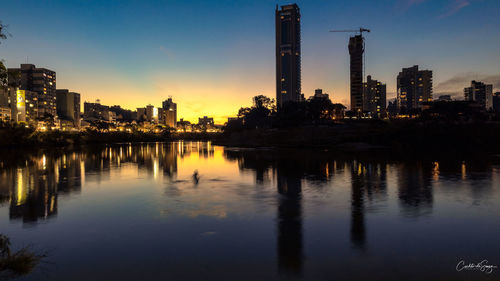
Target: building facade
[
  {"x": 414, "y": 88},
  {"x": 318, "y": 94},
  {"x": 40, "y": 80},
  {"x": 374, "y": 97},
  {"x": 169, "y": 113},
  {"x": 151, "y": 114},
  {"x": 356, "y": 50},
  {"x": 480, "y": 93},
  {"x": 206, "y": 121},
  {"x": 288, "y": 55},
  {"x": 95, "y": 110},
  {"x": 68, "y": 106},
  {"x": 496, "y": 102}
]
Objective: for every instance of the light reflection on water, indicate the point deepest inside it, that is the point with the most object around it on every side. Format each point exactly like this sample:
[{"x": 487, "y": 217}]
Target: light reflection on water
[{"x": 135, "y": 212}]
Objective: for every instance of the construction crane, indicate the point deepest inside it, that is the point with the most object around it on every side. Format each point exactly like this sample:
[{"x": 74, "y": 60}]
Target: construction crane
[{"x": 361, "y": 30}]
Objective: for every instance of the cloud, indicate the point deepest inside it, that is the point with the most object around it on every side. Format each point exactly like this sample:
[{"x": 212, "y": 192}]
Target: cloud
[
  {"x": 454, "y": 7},
  {"x": 404, "y": 5},
  {"x": 455, "y": 85}
]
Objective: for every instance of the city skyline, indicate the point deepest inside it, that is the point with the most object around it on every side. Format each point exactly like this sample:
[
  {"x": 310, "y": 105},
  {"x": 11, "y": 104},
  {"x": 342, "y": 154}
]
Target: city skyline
[{"x": 214, "y": 68}]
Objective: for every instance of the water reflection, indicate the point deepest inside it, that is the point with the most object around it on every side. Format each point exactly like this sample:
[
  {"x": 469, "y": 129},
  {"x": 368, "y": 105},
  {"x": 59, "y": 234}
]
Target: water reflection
[
  {"x": 32, "y": 184},
  {"x": 368, "y": 182}
]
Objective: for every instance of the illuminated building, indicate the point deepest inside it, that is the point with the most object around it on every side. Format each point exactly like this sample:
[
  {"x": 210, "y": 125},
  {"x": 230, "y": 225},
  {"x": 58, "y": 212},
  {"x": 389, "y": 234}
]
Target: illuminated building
[
  {"x": 5, "y": 114},
  {"x": 288, "y": 64},
  {"x": 206, "y": 121},
  {"x": 414, "y": 88},
  {"x": 18, "y": 105},
  {"x": 141, "y": 113},
  {"x": 480, "y": 93},
  {"x": 170, "y": 113},
  {"x": 356, "y": 50},
  {"x": 40, "y": 80},
  {"x": 68, "y": 106},
  {"x": 151, "y": 114},
  {"x": 374, "y": 97},
  {"x": 31, "y": 105}
]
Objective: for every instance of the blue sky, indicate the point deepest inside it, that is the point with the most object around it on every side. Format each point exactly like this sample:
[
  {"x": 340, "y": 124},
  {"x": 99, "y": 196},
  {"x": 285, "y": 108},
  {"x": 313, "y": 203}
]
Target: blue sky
[{"x": 213, "y": 56}]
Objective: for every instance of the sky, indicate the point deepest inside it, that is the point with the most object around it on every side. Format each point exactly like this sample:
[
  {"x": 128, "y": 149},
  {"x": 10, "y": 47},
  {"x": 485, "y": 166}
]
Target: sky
[{"x": 212, "y": 57}]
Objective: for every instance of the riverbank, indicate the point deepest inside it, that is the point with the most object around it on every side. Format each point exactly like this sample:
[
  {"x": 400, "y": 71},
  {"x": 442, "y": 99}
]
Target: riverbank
[
  {"x": 12, "y": 137},
  {"x": 404, "y": 138}
]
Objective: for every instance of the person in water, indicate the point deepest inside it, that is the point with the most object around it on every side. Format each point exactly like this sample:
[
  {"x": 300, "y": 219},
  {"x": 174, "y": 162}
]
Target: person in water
[{"x": 196, "y": 177}]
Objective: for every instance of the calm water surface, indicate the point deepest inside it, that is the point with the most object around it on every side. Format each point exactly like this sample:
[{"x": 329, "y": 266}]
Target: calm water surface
[{"x": 135, "y": 212}]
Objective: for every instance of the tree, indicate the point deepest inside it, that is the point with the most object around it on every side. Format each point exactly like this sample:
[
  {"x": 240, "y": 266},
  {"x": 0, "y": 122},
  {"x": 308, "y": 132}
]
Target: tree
[
  {"x": 320, "y": 109},
  {"x": 3, "y": 69},
  {"x": 259, "y": 115},
  {"x": 3, "y": 76},
  {"x": 3, "y": 31}
]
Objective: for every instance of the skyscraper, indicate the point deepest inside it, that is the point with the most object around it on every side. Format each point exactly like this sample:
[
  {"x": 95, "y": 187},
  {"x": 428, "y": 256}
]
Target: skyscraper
[
  {"x": 374, "y": 97},
  {"x": 480, "y": 93},
  {"x": 356, "y": 50},
  {"x": 288, "y": 83},
  {"x": 170, "y": 113},
  {"x": 414, "y": 88},
  {"x": 41, "y": 81}
]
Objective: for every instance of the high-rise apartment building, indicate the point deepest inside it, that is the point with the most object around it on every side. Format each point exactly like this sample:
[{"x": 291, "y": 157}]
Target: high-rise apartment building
[
  {"x": 40, "y": 80},
  {"x": 480, "y": 93},
  {"x": 288, "y": 64},
  {"x": 151, "y": 114},
  {"x": 414, "y": 88},
  {"x": 374, "y": 97},
  {"x": 169, "y": 113},
  {"x": 68, "y": 106},
  {"x": 356, "y": 50}
]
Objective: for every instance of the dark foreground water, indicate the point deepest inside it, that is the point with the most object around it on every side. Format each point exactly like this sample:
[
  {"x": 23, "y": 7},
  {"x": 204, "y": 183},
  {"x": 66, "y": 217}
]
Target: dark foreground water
[{"x": 135, "y": 212}]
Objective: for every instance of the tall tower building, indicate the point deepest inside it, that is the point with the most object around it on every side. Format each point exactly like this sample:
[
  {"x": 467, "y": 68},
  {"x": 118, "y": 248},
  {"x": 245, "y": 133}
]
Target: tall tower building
[
  {"x": 170, "y": 113},
  {"x": 480, "y": 93},
  {"x": 374, "y": 97},
  {"x": 43, "y": 82},
  {"x": 414, "y": 88},
  {"x": 288, "y": 79},
  {"x": 356, "y": 50}
]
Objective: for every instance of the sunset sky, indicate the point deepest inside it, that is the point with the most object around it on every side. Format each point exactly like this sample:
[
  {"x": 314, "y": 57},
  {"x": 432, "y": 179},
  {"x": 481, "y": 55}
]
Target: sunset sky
[{"x": 213, "y": 56}]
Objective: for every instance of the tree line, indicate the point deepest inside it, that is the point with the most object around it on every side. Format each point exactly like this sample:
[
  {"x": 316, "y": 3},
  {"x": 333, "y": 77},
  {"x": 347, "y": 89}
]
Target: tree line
[{"x": 264, "y": 113}]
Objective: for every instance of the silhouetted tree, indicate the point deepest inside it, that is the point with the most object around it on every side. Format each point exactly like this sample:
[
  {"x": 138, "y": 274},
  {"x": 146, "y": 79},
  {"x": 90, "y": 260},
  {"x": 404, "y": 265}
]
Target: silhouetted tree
[
  {"x": 259, "y": 115},
  {"x": 3, "y": 31},
  {"x": 3, "y": 76},
  {"x": 3, "y": 69},
  {"x": 291, "y": 114},
  {"x": 320, "y": 109}
]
